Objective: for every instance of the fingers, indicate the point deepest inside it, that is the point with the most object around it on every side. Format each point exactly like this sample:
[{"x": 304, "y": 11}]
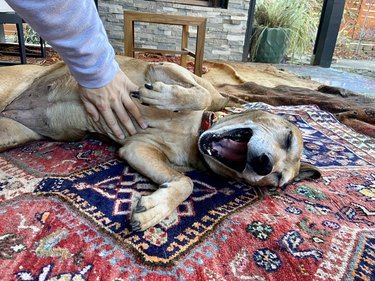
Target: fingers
[
  {"x": 131, "y": 86},
  {"x": 130, "y": 105},
  {"x": 91, "y": 109},
  {"x": 111, "y": 122},
  {"x": 113, "y": 103},
  {"x": 133, "y": 111},
  {"x": 124, "y": 118}
]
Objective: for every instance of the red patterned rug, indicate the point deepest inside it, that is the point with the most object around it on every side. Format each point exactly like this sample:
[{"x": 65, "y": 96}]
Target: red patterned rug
[{"x": 64, "y": 215}]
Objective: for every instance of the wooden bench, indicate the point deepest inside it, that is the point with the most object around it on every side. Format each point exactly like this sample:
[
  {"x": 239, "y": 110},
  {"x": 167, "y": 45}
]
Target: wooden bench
[{"x": 185, "y": 21}]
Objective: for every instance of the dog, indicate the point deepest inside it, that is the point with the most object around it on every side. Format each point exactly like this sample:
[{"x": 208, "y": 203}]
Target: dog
[{"x": 255, "y": 147}]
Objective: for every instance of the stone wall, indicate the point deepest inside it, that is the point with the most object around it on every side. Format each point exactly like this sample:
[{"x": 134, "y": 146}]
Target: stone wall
[{"x": 225, "y": 32}]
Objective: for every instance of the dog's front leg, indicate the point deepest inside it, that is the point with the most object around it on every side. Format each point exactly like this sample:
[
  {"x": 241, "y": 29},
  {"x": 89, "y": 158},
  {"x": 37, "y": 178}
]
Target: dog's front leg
[
  {"x": 173, "y": 189},
  {"x": 175, "y": 97}
]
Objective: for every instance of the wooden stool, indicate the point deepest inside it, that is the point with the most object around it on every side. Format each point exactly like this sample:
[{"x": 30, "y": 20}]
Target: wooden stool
[{"x": 184, "y": 21}]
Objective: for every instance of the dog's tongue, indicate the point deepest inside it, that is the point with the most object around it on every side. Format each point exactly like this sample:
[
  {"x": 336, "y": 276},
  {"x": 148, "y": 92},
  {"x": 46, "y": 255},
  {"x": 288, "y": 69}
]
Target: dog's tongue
[{"x": 230, "y": 150}]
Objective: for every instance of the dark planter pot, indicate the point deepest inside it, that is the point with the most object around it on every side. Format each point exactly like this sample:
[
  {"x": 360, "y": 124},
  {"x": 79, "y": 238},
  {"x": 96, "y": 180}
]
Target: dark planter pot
[{"x": 271, "y": 45}]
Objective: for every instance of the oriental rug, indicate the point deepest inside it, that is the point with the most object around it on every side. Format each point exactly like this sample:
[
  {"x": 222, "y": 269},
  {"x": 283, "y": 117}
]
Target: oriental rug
[{"x": 64, "y": 215}]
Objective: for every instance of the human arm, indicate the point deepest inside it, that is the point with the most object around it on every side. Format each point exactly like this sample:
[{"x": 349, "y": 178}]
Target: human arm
[{"x": 76, "y": 32}]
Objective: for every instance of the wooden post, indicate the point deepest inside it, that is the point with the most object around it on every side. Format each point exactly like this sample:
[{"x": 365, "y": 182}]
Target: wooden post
[{"x": 184, "y": 44}]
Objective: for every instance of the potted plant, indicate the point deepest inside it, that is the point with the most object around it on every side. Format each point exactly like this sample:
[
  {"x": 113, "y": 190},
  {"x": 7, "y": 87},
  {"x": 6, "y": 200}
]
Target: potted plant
[{"x": 283, "y": 26}]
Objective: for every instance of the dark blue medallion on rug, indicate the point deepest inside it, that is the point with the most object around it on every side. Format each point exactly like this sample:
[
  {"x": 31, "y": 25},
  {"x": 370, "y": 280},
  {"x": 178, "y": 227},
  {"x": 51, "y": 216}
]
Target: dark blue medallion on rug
[{"x": 104, "y": 195}]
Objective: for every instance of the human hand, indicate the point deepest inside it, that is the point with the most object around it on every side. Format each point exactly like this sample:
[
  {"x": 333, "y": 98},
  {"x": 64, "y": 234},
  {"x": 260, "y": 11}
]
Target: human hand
[{"x": 113, "y": 103}]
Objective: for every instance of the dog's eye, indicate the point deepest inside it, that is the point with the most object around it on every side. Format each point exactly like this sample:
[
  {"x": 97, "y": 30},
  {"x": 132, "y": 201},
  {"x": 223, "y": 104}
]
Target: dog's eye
[{"x": 288, "y": 141}]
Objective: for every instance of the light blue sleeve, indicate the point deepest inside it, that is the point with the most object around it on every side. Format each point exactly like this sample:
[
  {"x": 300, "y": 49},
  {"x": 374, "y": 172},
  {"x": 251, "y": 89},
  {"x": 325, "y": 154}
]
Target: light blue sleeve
[{"x": 73, "y": 28}]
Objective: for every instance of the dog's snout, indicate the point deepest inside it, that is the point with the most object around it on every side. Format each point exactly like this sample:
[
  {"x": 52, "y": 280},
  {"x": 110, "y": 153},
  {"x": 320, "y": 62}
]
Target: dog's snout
[{"x": 262, "y": 164}]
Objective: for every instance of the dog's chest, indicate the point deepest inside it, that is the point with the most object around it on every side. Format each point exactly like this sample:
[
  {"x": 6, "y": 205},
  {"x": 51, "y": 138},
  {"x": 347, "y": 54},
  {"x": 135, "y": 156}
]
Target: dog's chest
[{"x": 176, "y": 133}]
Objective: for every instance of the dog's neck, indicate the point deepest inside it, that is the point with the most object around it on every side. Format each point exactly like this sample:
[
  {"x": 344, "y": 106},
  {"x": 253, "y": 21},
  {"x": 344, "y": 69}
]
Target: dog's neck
[{"x": 209, "y": 118}]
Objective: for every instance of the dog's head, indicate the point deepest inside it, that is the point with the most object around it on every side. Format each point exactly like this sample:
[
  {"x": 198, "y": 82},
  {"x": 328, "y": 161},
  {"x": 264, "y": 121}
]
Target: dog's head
[{"x": 256, "y": 147}]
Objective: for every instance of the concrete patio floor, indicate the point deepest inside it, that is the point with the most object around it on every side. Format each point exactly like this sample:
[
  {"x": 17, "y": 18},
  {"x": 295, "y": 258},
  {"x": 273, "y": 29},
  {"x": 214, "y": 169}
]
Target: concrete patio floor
[{"x": 354, "y": 75}]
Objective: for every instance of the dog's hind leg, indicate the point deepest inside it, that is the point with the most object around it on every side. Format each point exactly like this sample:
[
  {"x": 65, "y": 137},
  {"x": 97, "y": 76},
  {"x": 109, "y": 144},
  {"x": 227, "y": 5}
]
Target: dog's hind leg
[
  {"x": 174, "y": 187},
  {"x": 13, "y": 134}
]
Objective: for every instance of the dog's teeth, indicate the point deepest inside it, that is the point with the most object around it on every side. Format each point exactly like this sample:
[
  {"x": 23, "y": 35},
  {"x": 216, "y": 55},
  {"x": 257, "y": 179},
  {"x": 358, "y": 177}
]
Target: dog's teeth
[
  {"x": 148, "y": 86},
  {"x": 209, "y": 152}
]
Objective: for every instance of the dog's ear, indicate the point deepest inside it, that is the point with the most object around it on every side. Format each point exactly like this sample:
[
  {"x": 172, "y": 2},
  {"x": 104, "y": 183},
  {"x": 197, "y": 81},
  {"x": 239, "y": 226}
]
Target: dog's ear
[{"x": 308, "y": 171}]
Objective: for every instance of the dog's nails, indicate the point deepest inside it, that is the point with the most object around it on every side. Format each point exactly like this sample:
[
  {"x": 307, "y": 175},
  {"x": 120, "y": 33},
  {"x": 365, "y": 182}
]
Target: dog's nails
[
  {"x": 164, "y": 185},
  {"x": 148, "y": 86},
  {"x": 135, "y": 94},
  {"x": 135, "y": 229},
  {"x": 140, "y": 209},
  {"x": 135, "y": 223}
]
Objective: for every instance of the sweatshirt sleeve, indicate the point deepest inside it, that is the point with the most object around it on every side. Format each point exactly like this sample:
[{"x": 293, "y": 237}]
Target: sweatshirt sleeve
[{"x": 73, "y": 28}]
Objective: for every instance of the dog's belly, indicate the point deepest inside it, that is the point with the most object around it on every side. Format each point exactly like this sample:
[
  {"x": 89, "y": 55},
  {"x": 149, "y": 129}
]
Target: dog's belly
[
  {"x": 30, "y": 110},
  {"x": 48, "y": 110}
]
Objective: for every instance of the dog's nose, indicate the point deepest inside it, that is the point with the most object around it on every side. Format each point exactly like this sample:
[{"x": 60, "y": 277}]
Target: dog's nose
[{"x": 262, "y": 164}]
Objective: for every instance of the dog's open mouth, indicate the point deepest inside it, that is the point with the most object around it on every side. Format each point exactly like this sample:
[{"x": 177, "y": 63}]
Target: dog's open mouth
[{"x": 230, "y": 148}]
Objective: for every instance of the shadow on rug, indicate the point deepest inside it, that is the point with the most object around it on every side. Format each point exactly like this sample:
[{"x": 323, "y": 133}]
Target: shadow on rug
[{"x": 64, "y": 214}]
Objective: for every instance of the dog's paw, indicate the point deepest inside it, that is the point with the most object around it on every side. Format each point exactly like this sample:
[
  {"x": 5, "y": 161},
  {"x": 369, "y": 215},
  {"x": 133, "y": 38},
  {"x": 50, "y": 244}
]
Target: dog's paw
[
  {"x": 153, "y": 208},
  {"x": 160, "y": 95}
]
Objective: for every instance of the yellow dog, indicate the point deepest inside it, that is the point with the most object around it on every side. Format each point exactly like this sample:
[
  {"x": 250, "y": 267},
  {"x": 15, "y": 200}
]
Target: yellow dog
[{"x": 255, "y": 147}]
